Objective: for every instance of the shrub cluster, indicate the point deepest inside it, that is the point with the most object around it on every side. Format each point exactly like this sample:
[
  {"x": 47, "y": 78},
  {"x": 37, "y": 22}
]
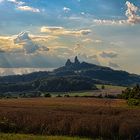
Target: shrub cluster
[{"x": 132, "y": 95}]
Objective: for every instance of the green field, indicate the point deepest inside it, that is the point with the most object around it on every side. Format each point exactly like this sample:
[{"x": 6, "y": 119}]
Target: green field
[
  {"x": 109, "y": 89},
  {"x": 33, "y": 137}
]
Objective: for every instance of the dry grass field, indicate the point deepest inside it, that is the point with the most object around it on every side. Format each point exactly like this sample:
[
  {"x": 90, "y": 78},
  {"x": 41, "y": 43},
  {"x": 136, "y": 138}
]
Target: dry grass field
[{"x": 85, "y": 117}]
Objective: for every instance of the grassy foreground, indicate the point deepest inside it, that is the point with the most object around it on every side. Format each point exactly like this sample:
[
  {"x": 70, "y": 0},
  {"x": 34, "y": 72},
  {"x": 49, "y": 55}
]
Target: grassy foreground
[{"x": 33, "y": 137}]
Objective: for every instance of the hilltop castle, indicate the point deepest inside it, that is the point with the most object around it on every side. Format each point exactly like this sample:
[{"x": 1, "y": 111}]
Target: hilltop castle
[{"x": 76, "y": 62}]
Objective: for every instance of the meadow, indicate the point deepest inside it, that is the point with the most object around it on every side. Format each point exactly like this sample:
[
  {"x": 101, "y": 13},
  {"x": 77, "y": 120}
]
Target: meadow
[
  {"x": 82, "y": 117},
  {"x": 33, "y": 137},
  {"x": 108, "y": 90}
]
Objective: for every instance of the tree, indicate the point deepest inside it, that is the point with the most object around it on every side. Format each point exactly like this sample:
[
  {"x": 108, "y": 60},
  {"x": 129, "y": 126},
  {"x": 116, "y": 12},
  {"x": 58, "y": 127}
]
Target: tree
[
  {"x": 47, "y": 95},
  {"x": 103, "y": 87}
]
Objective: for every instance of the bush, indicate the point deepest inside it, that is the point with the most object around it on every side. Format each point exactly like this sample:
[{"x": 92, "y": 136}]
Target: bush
[
  {"x": 67, "y": 95},
  {"x": 76, "y": 96},
  {"x": 103, "y": 87},
  {"x": 130, "y": 93},
  {"x": 47, "y": 95},
  {"x": 133, "y": 102},
  {"x": 58, "y": 95}
]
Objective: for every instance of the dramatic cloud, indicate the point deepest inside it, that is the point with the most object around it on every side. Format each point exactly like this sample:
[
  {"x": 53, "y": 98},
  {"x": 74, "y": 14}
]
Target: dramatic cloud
[
  {"x": 28, "y": 8},
  {"x": 131, "y": 14},
  {"x": 62, "y": 31},
  {"x": 24, "y": 43},
  {"x": 29, "y": 45},
  {"x": 108, "y": 54}
]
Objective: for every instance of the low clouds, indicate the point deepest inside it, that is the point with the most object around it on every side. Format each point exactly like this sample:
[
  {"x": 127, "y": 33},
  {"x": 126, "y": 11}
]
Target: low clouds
[
  {"x": 113, "y": 65},
  {"x": 108, "y": 54},
  {"x": 89, "y": 40},
  {"x": 131, "y": 14},
  {"x": 62, "y": 31},
  {"x": 27, "y": 8}
]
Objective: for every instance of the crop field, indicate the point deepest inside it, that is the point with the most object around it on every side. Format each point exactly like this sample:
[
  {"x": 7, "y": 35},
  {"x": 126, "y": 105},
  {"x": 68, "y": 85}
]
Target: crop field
[
  {"x": 78, "y": 117},
  {"x": 109, "y": 90}
]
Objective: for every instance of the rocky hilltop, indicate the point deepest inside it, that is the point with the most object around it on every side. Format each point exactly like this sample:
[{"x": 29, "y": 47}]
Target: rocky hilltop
[{"x": 100, "y": 74}]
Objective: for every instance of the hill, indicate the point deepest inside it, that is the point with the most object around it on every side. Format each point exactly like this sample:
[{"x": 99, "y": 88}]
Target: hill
[
  {"x": 100, "y": 74},
  {"x": 50, "y": 84}
]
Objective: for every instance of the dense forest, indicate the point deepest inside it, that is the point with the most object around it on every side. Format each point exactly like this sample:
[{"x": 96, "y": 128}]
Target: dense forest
[{"x": 53, "y": 84}]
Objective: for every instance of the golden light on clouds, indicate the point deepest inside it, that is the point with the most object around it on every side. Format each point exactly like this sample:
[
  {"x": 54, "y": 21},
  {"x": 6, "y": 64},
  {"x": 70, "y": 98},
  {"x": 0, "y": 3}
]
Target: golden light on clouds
[{"x": 62, "y": 31}]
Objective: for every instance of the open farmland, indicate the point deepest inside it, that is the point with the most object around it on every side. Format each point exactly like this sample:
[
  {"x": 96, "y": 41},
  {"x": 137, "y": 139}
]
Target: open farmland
[
  {"x": 108, "y": 90},
  {"x": 84, "y": 117}
]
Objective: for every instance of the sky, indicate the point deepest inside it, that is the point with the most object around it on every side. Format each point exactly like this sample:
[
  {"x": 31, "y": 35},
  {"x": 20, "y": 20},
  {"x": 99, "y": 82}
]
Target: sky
[{"x": 45, "y": 33}]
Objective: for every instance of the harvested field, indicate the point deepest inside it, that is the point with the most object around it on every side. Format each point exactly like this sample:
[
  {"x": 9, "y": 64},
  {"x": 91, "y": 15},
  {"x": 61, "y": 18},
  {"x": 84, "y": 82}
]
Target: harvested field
[{"x": 86, "y": 117}]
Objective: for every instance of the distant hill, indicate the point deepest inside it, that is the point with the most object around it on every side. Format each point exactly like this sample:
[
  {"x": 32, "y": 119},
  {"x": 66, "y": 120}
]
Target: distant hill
[
  {"x": 51, "y": 84},
  {"x": 24, "y": 78},
  {"x": 99, "y": 74}
]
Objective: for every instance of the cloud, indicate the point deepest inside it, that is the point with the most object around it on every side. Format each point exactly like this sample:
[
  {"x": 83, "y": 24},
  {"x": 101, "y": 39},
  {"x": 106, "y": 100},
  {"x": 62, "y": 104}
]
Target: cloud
[
  {"x": 88, "y": 40},
  {"x": 22, "y": 37},
  {"x": 131, "y": 14},
  {"x": 42, "y": 38},
  {"x": 62, "y": 31},
  {"x": 1, "y": 1},
  {"x": 2, "y": 51},
  {"x": 28, "y": 8},
  {"x": 77, "y": 47},
  {"x": 108, "y": 54},
  {"x": 109, "y": 22},
  {"x": 91, "y": 58},
  {"x": 19, "y": 71},
  {"x": 16, "y": 2},
  {"x": 21, "y": 6},
  {"x": 24, "y": 43},
  {"x": 29, "y": 45},
  {"x": 113, "y": 65},
  {"x": 66, "y": 9}
]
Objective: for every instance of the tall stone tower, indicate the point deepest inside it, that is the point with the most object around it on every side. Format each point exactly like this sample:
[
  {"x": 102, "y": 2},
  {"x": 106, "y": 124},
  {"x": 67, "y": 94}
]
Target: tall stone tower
[{"x": 76, "y": 61}]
